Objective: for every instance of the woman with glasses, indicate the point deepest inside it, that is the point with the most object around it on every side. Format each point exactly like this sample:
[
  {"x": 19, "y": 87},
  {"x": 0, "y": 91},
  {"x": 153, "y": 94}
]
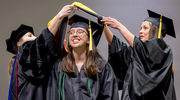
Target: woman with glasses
[{"x": 82, "y": 74}]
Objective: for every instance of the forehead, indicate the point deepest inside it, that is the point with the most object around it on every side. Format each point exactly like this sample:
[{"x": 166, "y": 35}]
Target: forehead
[
  {"x": 78, "y": 28},
  {"x": 146, "y": 23},
  {"x": 28, "y": 33}
]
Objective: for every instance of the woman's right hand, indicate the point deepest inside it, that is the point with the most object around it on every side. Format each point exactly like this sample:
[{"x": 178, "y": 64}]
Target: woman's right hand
[
  {"x": 66, "y": 11},
  {"x": 53, "y": 25},
  {"x": 117, "y": 25}
]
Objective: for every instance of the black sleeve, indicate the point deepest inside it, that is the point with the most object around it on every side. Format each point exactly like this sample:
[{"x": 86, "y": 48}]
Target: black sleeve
[
  {"x": 151, "y": 53},
  {"x": 119, "y": 58},
  {"x": 37, "y": 57},
  {"x": 152, "y": 65}
]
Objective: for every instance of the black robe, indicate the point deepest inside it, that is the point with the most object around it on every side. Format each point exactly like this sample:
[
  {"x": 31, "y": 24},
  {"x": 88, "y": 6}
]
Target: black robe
[
  {"x": 35, "y": 59},
  {"x": 144, "y": 72},
  {"x": 75, "y": 86}
]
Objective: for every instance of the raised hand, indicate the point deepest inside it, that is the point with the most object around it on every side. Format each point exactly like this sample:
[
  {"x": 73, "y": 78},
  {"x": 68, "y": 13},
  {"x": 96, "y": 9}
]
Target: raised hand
[
  {"x": 66, "y": 11},
  {"x": 111, "y": 22}
]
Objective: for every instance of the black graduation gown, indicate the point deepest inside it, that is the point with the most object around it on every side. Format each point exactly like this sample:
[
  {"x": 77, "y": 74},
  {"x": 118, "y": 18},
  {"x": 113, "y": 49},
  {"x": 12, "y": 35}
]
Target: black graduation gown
[
  {"x": 103, "y": 86},
  {"x": 35, "y": 60},
  {"x": 144, "y": 72}
]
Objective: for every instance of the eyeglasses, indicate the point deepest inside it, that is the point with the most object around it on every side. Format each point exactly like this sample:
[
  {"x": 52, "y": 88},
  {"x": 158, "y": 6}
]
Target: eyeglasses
[{"x": 78, "y": 32}]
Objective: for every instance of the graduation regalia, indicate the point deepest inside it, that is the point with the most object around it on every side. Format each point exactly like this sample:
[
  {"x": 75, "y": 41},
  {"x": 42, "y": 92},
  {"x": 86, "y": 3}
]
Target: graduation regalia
[
  {"x": 27, "y": 74},
  {"x": 78, "y": 86},
  {"x": 33, "y": 62},
  {"x": 144, "y": 72},
  {"x": 35, "y": 59}
]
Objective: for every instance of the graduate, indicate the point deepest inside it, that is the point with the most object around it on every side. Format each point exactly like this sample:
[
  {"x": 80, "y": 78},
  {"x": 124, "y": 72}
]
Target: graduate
[
  {"x": 82, "y": 74},
  {"x": 145, "y": 68},
  {"x": 35, "y": 58}
]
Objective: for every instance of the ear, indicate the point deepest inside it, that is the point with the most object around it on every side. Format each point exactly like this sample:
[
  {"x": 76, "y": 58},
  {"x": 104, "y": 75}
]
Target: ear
[
  {"x": 88, "y": 42},
  {"x": 19, "y": 43}
]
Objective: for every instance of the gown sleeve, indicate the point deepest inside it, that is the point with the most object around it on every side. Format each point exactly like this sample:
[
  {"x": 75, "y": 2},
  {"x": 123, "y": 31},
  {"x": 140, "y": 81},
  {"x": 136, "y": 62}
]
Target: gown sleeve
[
  {"x": 109, "y": 84},
  {"x": 152, "y": 66},
  {"x": 36, "y": 57},
  {"x": 119, "y": 59}
]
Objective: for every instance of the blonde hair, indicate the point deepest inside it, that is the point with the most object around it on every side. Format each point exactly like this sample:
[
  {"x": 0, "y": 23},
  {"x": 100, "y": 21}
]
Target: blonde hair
[{"x": 11, "y": 62}]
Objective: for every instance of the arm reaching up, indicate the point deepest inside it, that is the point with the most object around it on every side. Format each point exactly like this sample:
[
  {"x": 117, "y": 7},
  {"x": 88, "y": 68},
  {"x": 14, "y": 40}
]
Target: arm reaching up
[
  {"x": 65, "y": 12},
  {"x": 117, "y": 25}
]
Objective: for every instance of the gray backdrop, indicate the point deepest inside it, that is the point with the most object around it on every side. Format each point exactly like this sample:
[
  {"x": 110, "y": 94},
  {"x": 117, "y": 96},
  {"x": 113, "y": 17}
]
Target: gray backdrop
[{"x": 37, "y": 13}]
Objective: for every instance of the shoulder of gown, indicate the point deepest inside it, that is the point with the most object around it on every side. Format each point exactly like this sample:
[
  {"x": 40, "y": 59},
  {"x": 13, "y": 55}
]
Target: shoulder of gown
[{"x": 151, "y": 67}]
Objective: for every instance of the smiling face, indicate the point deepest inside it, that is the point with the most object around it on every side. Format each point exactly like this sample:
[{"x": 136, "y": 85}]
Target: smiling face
[
  {"x": 144, "y": 31},
  {"x": 78, "y": 37}
]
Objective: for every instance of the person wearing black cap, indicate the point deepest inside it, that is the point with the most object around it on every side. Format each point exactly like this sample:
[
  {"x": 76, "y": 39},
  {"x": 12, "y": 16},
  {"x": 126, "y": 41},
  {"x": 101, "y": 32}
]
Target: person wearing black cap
[
  {"x": 22, "y": 34},
  {"x": 82, "y": 74},
  {"x": 144, "y": 69},
  {"x": 34, "y": 58}
]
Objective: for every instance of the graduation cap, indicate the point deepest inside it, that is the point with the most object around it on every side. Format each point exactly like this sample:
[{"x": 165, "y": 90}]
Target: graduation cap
[
  {"x": 15, "y": 36},
  {"x": 158, "y": 19},
  {"x": 97, "y": 32}
]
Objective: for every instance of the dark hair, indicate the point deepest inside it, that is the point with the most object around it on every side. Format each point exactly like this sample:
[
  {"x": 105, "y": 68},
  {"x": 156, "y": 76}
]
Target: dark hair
[
  {"x": 90, "y": 65},
  {"x": 154, "y": 30}
]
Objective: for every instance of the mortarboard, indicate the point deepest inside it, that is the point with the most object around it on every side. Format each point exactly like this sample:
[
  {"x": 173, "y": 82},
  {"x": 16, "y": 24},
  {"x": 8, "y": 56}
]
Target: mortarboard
[
  {"x": 15, "y": 36},
  {"x": 158, "y": 19},
  {"x": 92, "y": 25}
]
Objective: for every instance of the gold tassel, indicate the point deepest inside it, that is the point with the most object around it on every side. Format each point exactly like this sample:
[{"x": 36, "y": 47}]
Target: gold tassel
[
  {"x": 90, "y": 36},
  {"x": 160, "y": 26}
]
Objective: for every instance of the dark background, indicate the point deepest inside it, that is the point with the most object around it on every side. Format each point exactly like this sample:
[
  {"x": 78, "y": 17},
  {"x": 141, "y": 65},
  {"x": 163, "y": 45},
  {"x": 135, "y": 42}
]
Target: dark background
[{"x": 131, "y": 13}]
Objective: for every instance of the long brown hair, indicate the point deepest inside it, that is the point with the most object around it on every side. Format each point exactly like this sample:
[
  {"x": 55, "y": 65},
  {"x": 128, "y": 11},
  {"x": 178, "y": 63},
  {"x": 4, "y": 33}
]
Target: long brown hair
[
  {"x": 90, "y": 65},
  {"x": 153, "y": 33}
]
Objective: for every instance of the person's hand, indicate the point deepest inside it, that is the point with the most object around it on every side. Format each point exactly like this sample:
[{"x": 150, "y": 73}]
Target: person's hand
[
  {"x": 111, "y": 22},
  {"x": 66, "y": 11},
  {"x": 53, "y": 25}
]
